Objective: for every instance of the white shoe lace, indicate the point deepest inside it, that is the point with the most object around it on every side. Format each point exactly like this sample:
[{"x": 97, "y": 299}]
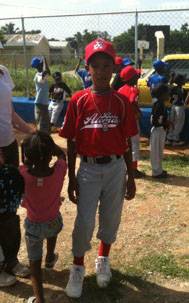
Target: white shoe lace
[
  {"x": 77, "y": 276},
  {"x": 101, "y": 265}
]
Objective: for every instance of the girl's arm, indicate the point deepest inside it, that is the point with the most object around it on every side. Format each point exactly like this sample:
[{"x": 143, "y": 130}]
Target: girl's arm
[{"x": 59, "y": 153}]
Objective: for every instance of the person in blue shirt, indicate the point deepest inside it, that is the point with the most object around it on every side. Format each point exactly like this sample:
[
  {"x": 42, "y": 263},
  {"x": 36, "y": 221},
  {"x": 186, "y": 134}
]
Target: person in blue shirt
[
  {"x": 41, "y": 100},
  {"x": 158, "y": 76},
  {"x": 83, "y": 74}
]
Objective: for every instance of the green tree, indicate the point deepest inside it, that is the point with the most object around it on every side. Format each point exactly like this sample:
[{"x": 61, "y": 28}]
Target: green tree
[
  {"x": 2, "y": 36},
  {"x": 125, "y": 42},
  {"x": 9, "y": 28},
  {"x": 80, "y": 40}
]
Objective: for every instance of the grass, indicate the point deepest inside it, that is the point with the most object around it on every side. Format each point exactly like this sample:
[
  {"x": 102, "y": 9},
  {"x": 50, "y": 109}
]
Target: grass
[
  {"x": 174, "y": 164},
  {"x": 19, "y": 79},
  {"x": 177, "y": 164},
  {"x": 134, "y": 276},
  {"x": 166, "y": 265}
]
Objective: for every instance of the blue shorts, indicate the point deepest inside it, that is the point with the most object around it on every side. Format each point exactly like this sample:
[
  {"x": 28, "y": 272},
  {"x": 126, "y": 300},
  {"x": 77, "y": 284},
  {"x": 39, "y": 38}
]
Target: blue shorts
[{"x": 35, "y": 233}]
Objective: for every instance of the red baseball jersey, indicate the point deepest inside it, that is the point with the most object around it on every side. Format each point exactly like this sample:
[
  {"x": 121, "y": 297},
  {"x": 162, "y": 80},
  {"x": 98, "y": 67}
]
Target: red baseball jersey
[
  {"x": 132, "y": 93},
  {"x": 100, "y": 124}
]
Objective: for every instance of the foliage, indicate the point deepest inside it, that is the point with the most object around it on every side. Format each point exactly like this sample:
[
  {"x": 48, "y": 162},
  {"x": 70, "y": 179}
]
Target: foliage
[
  {"x": 79, "y": 40},
  {"x": 9, "y": 28},
  {"x": 19, "y": 79},
  {"x": 166, "y": 265},
  {"x": 2, "y": 38}
]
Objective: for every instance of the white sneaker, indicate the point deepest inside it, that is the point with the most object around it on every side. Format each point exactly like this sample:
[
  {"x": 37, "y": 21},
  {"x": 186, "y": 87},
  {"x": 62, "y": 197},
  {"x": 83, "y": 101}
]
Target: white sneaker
[
  {"x": 6, "y": 279},
  {"x": 103, "y": 272},
  {"x": 169, "y": 142},
  {"x": 75, "y": 283},
  {"x": 20, "y": 270}
]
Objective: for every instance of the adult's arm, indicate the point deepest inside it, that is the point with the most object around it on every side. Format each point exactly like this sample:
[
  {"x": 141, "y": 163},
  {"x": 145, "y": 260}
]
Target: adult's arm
[{"x": 20, "y": 124}]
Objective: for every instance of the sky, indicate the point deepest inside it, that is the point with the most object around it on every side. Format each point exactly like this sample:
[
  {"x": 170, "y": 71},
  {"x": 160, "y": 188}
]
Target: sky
[
  {"x": 17, "y": 8},
  {"x": 61, "y": 28}
]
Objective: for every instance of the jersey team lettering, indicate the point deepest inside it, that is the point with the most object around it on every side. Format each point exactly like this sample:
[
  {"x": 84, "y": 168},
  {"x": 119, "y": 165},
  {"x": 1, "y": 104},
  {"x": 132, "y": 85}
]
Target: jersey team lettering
[{"x": 111, "y": 121}]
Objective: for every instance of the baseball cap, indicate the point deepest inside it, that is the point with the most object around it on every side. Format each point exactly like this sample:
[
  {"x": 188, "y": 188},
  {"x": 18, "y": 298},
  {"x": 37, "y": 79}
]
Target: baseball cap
[
  {"x": 57, "y": 75},
  {"x": 158, "y": 64},
  {"x": 127, "y": 61},
  {"x": 118, "y": 60},
  {"x": 99, "y": 45},
  {"x": 35, "y": 62},
  {"x": 1, "y": 45},
  {"x": 128, "y": 73}
]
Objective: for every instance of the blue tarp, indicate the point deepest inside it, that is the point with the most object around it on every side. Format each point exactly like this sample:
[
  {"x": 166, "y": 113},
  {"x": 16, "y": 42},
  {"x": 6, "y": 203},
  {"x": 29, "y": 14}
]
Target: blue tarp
[
  {"x": 25, "y": 108},
  {"x": 145, "y": 126}
]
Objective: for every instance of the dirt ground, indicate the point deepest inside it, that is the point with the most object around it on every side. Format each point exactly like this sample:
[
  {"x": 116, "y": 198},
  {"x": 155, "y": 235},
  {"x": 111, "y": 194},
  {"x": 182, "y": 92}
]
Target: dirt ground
[{"x": 156, "y": 221}]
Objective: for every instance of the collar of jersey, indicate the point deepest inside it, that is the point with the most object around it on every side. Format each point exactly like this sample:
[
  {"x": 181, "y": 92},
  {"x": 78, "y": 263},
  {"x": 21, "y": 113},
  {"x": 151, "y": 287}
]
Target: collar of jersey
[{"x": 106, "y": 92}]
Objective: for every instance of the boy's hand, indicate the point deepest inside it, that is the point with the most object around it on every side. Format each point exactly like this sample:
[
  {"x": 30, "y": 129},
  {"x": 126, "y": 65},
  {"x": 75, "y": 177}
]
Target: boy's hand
[
  {"x": 131, "y": 189},
  {"x": 73, "y": 190},
  {"x": 45, "y": 73}
]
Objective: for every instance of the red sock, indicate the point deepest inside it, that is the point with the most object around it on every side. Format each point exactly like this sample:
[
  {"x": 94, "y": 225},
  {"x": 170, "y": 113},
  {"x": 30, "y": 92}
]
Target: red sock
[
  {"x": 104, "y": 249},
  {"x": 78, "y": 260},
  {"x": 134, "y": 165}
]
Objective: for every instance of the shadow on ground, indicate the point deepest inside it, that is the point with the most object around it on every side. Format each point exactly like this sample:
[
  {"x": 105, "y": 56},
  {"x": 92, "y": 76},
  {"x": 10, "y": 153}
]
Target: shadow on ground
[{"x": 123, "y": 288}]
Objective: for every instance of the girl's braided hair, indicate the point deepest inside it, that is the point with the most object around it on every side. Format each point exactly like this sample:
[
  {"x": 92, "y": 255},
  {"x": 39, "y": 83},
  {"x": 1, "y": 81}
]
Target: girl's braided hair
[{"x": 37, "y": 149}]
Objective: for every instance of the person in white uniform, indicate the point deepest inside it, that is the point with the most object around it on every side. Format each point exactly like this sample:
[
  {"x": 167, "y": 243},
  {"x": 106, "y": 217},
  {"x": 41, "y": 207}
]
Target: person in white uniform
[{"x": 57, "y": 93}]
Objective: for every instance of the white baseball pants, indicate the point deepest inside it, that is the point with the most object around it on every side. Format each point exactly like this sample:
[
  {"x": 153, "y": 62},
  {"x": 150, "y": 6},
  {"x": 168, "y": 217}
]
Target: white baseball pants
[
  {"x": 135, "y": 141},
  {"x": 55, "y": 109},
  {"x": 157, "y": 142},
  {"x": 177, "y": 117},
  {"x": 98, "y": 182}
]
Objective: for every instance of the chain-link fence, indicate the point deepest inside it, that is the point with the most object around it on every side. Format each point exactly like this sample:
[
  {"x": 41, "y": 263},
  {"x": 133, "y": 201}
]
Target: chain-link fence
[{"x": 62, "y": 39}]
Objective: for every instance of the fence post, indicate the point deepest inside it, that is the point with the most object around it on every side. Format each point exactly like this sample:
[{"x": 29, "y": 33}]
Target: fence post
[
  {"x": 136, "y": 39},
  {"x": 25, "y": 59}
]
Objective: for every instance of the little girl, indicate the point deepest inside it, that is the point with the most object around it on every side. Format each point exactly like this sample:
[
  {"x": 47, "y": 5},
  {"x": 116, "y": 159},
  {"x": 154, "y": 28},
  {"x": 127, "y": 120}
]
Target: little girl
[{"x": 43, "y": 186}]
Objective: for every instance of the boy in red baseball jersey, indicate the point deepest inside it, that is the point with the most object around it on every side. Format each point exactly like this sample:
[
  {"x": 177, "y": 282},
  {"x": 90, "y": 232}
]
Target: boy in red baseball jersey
[
  {"x": 98, "y": 126},
  {"x": 130, "y": 76}
]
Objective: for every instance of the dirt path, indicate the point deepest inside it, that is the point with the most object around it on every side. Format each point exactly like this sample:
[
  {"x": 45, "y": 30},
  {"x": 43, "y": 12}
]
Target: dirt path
[{"x": 156, "y": 221}]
